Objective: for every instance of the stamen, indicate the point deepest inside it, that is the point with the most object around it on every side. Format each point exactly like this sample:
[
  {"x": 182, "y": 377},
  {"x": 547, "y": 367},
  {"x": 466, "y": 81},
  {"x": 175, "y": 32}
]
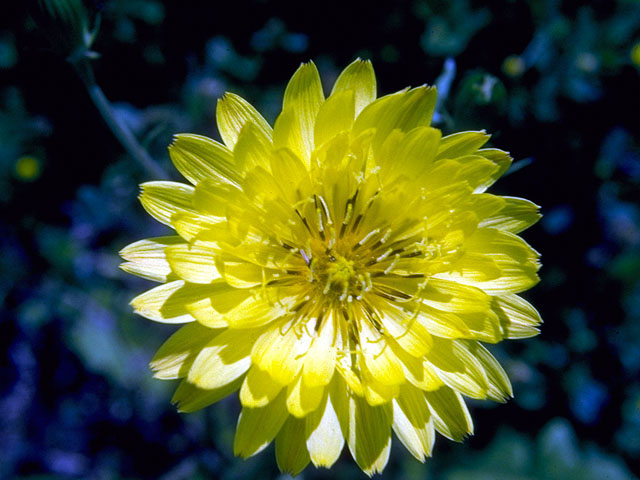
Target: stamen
[
  {"x": 393, "y": 264},
  {"x": 299, "y": 306},
  {"x": 410, "y": 323},
  {"x": 326, "y": 210},
  {"x": 356, "y": 223},
  {"x": 369, "y": 286},
  {"x": 304, "y": 221},
  {"x": 327, "y": 286},
  {"x": 289, "y": 327},
  {"x": 367, "y": 237},
  {"x": 345, "y": 289},
  {"x": 332, "y": 240},
  {"x": 264, "y": 282},
  {"x": 286, "y": 245},
  {"x": 320, "y": 223},
  {"x": 348, "y": 213},
  {"x": 306, "y": 327},
  {"x": 384, "y": 255}
]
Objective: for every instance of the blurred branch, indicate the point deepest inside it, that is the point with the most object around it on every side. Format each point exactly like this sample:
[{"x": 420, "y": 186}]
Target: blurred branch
[
  {"x": 71, "y": 31},
  {"x": 119, "y": 129}
]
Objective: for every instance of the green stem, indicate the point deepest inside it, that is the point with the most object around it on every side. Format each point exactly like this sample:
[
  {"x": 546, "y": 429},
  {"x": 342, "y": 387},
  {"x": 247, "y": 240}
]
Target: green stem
[{"x": 119, "y": 129}]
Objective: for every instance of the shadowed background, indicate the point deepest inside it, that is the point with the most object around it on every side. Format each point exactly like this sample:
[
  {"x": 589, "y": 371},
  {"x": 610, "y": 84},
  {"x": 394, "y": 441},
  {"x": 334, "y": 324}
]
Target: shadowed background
[{"x": 555, "y": 82}]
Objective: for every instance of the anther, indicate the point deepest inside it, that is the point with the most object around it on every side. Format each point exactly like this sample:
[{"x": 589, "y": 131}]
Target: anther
[
  {"x": 307, "y": 260},
  {"x": 348, "y": 213},
  {"x": 384, "y": 255},
  {"x": 367, "y": 237},
  {"x": 393, "y": 264},
  {"x": 326, "y": 210}
]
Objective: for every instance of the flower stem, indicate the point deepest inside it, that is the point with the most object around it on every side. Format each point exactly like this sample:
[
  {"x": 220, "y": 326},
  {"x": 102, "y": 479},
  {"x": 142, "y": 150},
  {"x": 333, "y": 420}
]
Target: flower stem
[{"x": 118, "y": 128}]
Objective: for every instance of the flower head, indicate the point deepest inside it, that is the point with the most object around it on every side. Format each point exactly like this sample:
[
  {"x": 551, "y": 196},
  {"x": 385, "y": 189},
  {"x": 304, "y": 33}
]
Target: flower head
[{"x": 340, "y": 270}]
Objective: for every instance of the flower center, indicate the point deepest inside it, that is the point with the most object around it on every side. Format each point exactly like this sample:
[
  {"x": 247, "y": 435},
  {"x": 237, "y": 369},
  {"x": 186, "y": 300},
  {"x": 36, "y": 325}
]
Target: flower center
[{"x": 335, "y": 275}]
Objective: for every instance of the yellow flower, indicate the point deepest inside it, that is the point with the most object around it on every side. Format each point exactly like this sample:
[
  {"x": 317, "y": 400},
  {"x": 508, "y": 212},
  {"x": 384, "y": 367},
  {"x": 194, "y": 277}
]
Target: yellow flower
[{"x": 340, "y": 270}]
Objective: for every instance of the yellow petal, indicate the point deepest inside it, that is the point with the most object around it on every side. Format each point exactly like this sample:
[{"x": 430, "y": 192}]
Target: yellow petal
[
  {"x": 280, "y": 351},
  {"x": 360, "y": 78},
  {"x": 223, "y": 359},
  {"x": 302, "y": 398},
  {"x": 458, "y": 368},
  {"x": 501, "y": 159},
  {"x": 441, "y": 324},
  {"x": 164, "y": 199},
  {"x": 518, "y": 318},
  {"x": 381, "y": 116},
  {"x": 418, "y": 150},
  {"x": 324, "y": 436},
  {"x": 291, "y": 452},
  {"x": 290, "y": 173},
  {"x": 147, "y": 259},
  {"x": 212, "y": 198},
  {"x": 401, "y": 323},
  {"x": 412, "y": 422},
  {"x": 516, "y": 215},
  {"x": 201, "y": 158},
  {"x": 195, "y": 227},
  {"x": 242, "y": 308},
  {"x": 499, "y": 385},
  {"x": 462, "y": 143},
  {"x": 257, "y": 427},
  {"x": 233, "y": 113},
  {"x": 190, "y": 398},
  {"x": 483, "y": 326},
  {"x": 476, "y": 170},
  {"x": 320, "y": 360},
  {"x": 241, "y": 274},
  {"x": 497, "y": 262},
  {"x": 192, "y": 263},
  {"x": 438, "y": 293},
  {"x": 485, "y": 205},
  {"x": 336, "y": 115},
  {"x": 211, "y": 308},
  {"x": 418, "y": 372},
  {"x": 403, "y": 110},
  {"x": 287, "y": 133},
  {"x": 166, "y": 303},
  {"x": 258, "y": 388},
  {"x": 369, "y": 434},
  {"x": 176, "y": 355},
  {"x": 349, "y": 375},
  {"x": 303, "y": 96},
  {"x": 253, "y": 148},
  {"x": 454, "y": 297},
  {"x": 413, "y": 337},
  {"x": 450, "y": 414},
  {"x": 262, "y": 307},
  {"x": 413, "y": 156},
  {"x": 375, "y": 392},
  {"x": 380, "y": 359}
]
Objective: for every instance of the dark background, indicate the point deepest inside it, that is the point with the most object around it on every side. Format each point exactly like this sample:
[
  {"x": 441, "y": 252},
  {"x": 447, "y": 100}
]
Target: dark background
[{"x": 557, "y": 84}]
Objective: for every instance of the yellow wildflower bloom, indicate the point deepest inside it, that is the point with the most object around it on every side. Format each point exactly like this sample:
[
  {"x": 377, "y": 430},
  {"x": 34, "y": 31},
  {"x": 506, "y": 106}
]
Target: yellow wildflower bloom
[{"x": 340, "y": 270}]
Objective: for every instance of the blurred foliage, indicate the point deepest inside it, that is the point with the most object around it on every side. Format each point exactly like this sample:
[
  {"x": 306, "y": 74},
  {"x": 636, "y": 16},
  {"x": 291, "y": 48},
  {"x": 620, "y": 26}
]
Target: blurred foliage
[{"x": 555, "y": 81}]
